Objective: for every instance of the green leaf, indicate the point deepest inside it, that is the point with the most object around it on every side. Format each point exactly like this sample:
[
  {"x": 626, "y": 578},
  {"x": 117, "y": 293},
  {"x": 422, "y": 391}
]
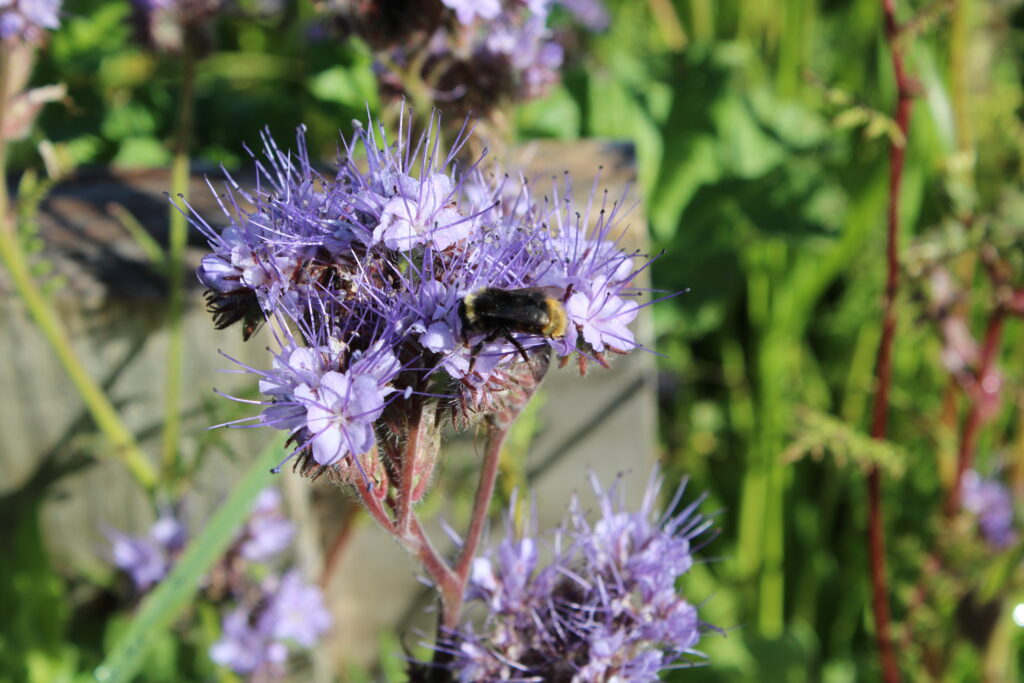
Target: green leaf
[
  {"x": 141, "y": 152},
  {"x": 172, "y": 595},
  {"x": 350, "y": 86},
  {"x": 554, "y": 116}
]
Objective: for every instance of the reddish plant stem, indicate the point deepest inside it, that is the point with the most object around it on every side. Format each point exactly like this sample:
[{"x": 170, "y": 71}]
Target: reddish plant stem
[
  {"x": 448, "y": 583},
  {"x": 975, "y": 414},
  {"x": 408, "y": 469},
  {"x": 481, "y": 504},
  {"x": 879, "y": 591},
  {"x": 883, "y": 367},
  {"x": 453, "y": 592},
  {"x": 339, "y": 544},
  {"x": 372, "y": 504},
  {"x": 1015, "y": 302},
  {"x": 414, "y": 540}
]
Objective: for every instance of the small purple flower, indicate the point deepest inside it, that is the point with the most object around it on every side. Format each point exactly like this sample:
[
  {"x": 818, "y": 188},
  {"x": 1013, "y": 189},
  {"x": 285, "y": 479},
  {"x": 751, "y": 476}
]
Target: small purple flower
[
  {"x": 423, "y": 216},
  {"x": 147, "y": 559},
  {"x": 257, "y": 639},
  {"x": 530, "y": 51},
  {"x": 605, "y": 608},
  {"x": 992, "y": 503},
  {"x": 268, "y": 531},
  {"x": 340, "y": 415},
  {"x": 246, "y": 647},
  {"x": 327, "y": 409},
  {"x": 592, "y": 14},
  {"x": 28, "y": 20},
  {"x": 468, "y": 10},
  {"x": 603, "y": 317},
  {"x": 297, "y": 612}
]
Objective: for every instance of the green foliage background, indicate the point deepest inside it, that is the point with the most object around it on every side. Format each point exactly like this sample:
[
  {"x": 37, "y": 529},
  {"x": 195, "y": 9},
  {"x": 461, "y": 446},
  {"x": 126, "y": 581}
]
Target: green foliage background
[{"x": 762, "y": 133}]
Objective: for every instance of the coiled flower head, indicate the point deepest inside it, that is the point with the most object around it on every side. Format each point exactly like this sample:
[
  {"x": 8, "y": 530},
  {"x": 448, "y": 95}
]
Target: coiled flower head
[
  {"x": 992, "y": 503},
  {"x": 604, "y": 608},
  {"x": 366, "y": 272},
  {"x": 28, "y": 20}
]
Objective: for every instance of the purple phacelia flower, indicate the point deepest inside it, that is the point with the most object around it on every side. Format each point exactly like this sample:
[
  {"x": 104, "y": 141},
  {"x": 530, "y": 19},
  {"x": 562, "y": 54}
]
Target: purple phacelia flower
[
  {"x": 603, "y": 317},
  {"x": 268, "y": 532},
  {"x": 365, "y": 273},
  {"x": 592, "y": 14},
  {"x": 530, "y": 51},
  {"x": 328, "y": 398},
  {"x": 604, "y": 608},
  {"x": 340, "y": 415},
  {"x": 469, "y": 10},
  {"x": 424, "y": 215},
  {"x": 147, "y": 559},
  {"x": 28, "y": 20},
  {"x": 246, "y": 648},
  {"x": 991, "y": 502},
  {"x": 297, "y": 612},
  {"x": 494, "y": 50},
  {"x": 256, "y": 638}
]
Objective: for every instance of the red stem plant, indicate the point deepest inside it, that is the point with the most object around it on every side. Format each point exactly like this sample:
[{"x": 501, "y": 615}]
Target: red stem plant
[
  {"x": 883, "y": 366},
  {"x": 983, "y": 384}
]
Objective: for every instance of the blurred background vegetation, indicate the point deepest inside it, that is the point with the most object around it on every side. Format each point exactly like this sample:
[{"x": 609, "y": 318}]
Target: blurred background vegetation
[{"x": 762, "y": 134}]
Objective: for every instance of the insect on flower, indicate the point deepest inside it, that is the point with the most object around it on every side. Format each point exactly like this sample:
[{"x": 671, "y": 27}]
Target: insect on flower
[{"x": 497, "y": 312}]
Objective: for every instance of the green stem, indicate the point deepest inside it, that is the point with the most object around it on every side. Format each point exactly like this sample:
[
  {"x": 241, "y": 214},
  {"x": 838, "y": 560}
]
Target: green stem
[
  {"x": 46, "y": 319},
  {"x": 48, "y": 322},
  {"x": 175, "y": 263}
]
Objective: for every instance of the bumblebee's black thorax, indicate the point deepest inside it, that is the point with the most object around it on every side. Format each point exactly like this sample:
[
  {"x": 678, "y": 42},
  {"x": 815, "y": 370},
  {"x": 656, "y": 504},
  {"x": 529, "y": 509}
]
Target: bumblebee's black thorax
[{"x": 530, "y": 310}]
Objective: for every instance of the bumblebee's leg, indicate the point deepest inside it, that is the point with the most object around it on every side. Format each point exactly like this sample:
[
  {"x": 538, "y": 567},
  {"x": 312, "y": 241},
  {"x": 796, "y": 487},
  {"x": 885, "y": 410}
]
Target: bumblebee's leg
[
  {"x": 515, "y": 342},
  {"x": 475, "y": 351}
]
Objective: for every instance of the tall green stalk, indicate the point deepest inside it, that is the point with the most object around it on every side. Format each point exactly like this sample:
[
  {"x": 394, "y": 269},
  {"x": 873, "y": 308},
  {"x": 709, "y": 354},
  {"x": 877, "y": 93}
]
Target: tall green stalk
[
  {"x": 123, "y": 443},
  {"x": 175, "y": 263}
]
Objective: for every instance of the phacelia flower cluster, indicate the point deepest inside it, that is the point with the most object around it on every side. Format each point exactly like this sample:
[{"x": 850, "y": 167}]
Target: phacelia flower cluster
[
  {"x": 28, "y": 20},
  {"x": 258, "y": 635},
  {"x": 272, "y": 617},
  {"x": 268, "y": 531},
  {"x": 268, "y": 615},
  {"x": 147, "y": 559},
  {"x": 373, "y": 274},
  {"x": 505, "y": 49},
  {"x": 604, "y": 608},
  {"x": 470, "y": 54},
  {"x": 990, "y": 501},
  {"x": 176, "y": 25}
]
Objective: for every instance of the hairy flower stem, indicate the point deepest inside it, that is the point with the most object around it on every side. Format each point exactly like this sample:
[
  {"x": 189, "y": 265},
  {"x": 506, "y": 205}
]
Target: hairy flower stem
[
  {"x": 975, "y": 418},
  {"x": 416, "y": 450},
  {"x": 102, "y": 411},
  {"x": 370, "y": 500},
  {"x": 883, "y": 367},
  {"x": 484, "y": 492},
  {"x": 405, "y": 483},
  {"x": 453, "y": 592},
  {"x": 177, "y": 240},
  {"x": 414, "y": 539}
]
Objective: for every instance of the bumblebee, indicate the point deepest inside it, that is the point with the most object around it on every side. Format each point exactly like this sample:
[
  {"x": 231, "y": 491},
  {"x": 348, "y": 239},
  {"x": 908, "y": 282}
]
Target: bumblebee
[{"x": 496, "y": 312}]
